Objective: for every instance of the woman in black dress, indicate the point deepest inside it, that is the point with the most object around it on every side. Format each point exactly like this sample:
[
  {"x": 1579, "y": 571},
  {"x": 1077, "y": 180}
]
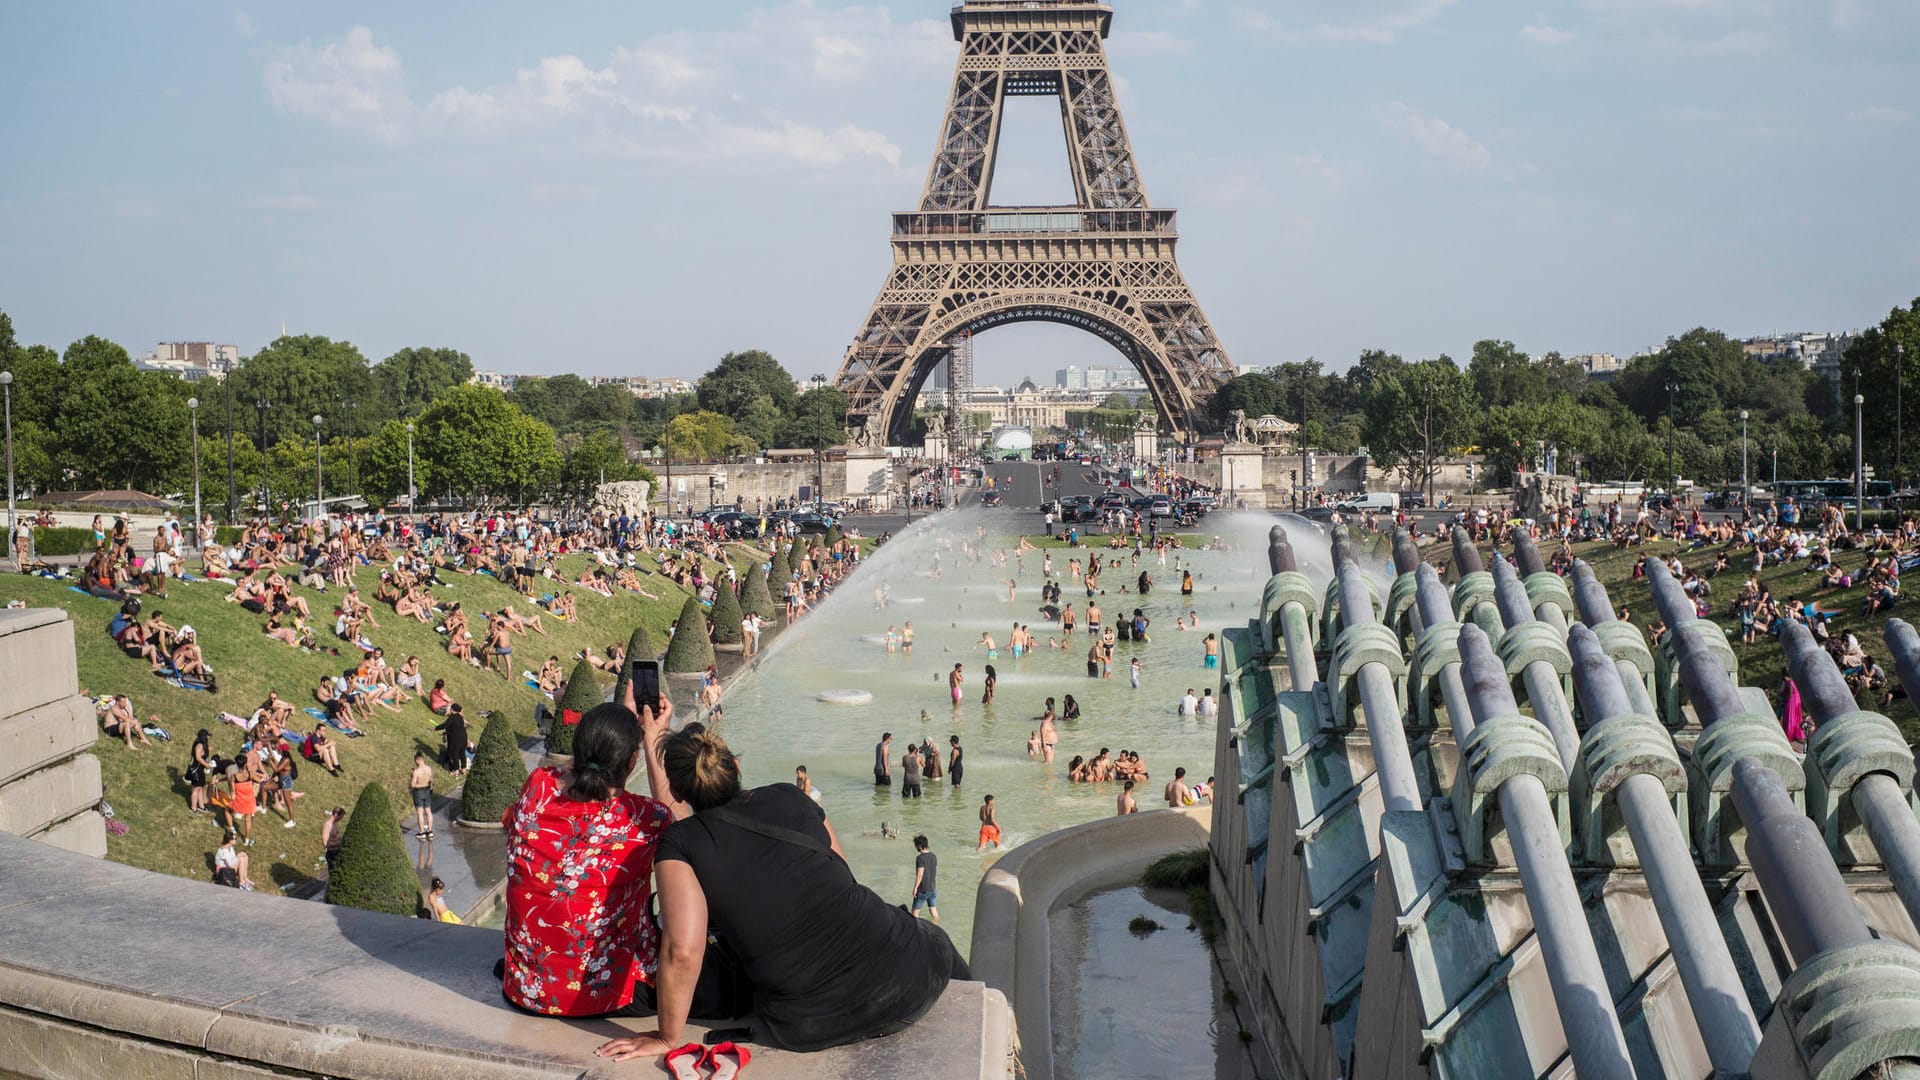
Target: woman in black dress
[
  {"x": 828, "y": 960},
  {"x": 955, "y": 769},
  {"x": 454, "y": 755}
]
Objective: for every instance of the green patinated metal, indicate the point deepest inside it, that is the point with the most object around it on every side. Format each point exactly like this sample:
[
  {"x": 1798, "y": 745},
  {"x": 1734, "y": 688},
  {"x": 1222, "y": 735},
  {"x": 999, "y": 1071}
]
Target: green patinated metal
[
  {"x": 1669, "y": 694},
  {"x": 1498, "y": 750},
  {"x": 1841, "y": 752},
  {"x": 1401, "y": 609},
  {"x": 1843, "y": 1013},
  {"x": 1473, "y": 590},
  {"x": 1356, "y": 647},
  {"x": 1331, "y": 618},
  {"x": 1719, "y": 837},
  {"x": 1547, "y": 587},
  {"x": 1435, "y": 647},
  {"x": 1611, "y": 751}
]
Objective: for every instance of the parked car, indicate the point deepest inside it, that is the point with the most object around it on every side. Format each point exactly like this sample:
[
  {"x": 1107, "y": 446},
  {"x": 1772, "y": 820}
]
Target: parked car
[
  {"x": 1160, "y": 506},
  {"x": 1372, "y": 500}
]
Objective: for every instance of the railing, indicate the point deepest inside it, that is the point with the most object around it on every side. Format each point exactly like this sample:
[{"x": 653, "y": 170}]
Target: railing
[{"x": 1038, "y": 221}]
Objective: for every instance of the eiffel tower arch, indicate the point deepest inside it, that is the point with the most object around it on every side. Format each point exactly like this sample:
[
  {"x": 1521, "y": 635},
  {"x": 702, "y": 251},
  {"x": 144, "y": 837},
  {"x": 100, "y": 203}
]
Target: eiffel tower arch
[{"x": 962, "y": 265}]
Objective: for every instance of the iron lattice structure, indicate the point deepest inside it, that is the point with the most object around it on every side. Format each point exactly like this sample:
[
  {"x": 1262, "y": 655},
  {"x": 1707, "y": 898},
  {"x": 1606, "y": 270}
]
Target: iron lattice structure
[{"x": 961, "y": 265}]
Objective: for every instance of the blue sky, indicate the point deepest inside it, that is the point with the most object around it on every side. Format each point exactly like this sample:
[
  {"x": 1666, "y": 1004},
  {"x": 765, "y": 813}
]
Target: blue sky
[{"x": 638, "y": 187}]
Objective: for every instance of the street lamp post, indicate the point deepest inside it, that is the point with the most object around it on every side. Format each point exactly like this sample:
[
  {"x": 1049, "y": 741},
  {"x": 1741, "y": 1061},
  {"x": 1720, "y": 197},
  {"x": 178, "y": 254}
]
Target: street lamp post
[
  {"x": 233, "y": 492},
  {"x": 1743, "y": 458},
  {"x": 1672, "y": 388},
  {"x": 319, "y": 496},
  {"x": 1428, "y": 434},
  {"x": 193, "y": 413},
  {"x": 411, "y": 496},
  {"x": 666, "y": 453},
  {"x": 266, "y": 473},
  {"x": 1859, "y": 460},
  {"x": 6, "y": 387},
  {"x": 1899, "y": 378},
  {"x": 352, "y": 430}
]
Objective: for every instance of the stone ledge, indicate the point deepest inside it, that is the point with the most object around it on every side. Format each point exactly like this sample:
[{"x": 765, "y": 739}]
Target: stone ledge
[
  {"x": 36, "y": 652},
  {"x": 1012, "y": 949},
  {"x": 40, "y": 736},
  {"x": 40, "y": 799},
  {"x": 124, "y": 953},
  {"x": 85, "y": 833}
]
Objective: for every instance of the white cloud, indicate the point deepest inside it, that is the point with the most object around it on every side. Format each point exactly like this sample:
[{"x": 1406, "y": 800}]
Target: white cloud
[
  {"x": 1434, "y": 136},
  {"x": 351, "y": 84},
  {"x": 1743, "y": 42},
  {"x": 1540, "y": 33},
  {"x": 803, "y": 144},
  {"x": 1878, "y": 116},
  {"x": 1368, "y": 22}
]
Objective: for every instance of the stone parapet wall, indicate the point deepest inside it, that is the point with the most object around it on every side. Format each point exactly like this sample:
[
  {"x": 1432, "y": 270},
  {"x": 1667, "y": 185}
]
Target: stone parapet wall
[{"x": 49, "y": 783}]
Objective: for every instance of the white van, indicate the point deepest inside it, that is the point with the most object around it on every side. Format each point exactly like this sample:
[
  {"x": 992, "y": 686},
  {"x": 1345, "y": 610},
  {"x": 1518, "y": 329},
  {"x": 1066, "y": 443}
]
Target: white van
[{"x": 1372, "y": 500}]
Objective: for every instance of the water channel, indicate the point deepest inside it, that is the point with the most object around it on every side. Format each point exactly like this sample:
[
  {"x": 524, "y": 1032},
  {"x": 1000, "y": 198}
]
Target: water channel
[{"x": 774, "y": 721}]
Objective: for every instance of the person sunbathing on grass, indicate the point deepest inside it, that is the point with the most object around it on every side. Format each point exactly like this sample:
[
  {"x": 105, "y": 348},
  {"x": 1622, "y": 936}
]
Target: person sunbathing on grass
[
  {"x": 551, "y": 678},
  {"x": 288, "y": 634},
  {"x": 118, "y": 721},
  {"x": 522, "y": 622},
  {"x": 187, "y": 659}
]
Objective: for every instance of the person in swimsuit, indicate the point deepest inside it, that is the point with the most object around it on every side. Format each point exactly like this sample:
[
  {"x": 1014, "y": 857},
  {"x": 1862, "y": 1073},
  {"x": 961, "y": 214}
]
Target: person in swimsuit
[
  {"x": 992, "y": 680},
  {"x": 1124, "y": 805},
  {"x": 906, "y": 638},
  {"x": 882, "y": 751},
  {"x": 954, "y": 679},
  {"x": 420, "y": 785},
  {"x": 989, "y": 826},
  {"x": 1212, "y": 647},
  {"x": 955, "y": 767}
]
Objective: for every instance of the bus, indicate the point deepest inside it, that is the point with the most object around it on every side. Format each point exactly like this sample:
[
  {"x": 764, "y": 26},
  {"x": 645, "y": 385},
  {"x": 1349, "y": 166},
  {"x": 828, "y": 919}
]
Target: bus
[{"x": 1818, "y": 493}]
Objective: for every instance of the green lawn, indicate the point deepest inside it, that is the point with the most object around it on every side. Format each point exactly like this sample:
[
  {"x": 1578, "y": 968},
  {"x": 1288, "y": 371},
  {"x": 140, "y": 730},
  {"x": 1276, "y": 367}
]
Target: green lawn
[
  {"x": 145, "y": 784},
  {"x": 1763, "y": 663}
]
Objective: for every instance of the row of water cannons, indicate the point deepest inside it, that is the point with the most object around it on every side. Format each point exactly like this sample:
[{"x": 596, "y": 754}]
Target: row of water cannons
[{"x": 1594, "y": 774}]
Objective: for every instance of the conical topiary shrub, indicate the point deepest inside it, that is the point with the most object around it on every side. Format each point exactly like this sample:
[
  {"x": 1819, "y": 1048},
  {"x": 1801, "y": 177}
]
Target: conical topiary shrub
[
  {"x": 582, "y": 693},
  {"x": 757, "y": 597},
  {"x": 726, "y": 615},
  {"x": 833, "y": 537},
  {"x": 778, "y": 569},
  {"x": 691, "y": 650},
  {"x": 497, "y": 775},
  {"x": 373, "y": 872},
  {"x": 639, "y": 647}
]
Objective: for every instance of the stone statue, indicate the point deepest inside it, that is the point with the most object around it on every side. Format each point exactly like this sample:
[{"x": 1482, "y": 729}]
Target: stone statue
[
  {"x": 1238, "y": 429},
  {"x": 936, "y": 427},
  {"x": 867, "y": 435},
  {"x": 623, "y": 497}
]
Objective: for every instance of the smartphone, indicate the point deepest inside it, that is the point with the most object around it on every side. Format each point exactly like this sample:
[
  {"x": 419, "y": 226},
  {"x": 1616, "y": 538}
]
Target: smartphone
[{"x": 645, "y": 677}]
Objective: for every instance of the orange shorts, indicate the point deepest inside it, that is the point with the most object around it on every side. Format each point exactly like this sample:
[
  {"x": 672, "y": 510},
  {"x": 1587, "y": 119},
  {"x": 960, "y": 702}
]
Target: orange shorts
[{"x": 989, "y": 834}]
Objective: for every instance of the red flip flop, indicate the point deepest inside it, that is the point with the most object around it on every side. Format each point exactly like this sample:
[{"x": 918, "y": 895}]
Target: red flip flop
[
  {"x": 685, "y": 1062},
  {"x": 728, "y": 1060}
]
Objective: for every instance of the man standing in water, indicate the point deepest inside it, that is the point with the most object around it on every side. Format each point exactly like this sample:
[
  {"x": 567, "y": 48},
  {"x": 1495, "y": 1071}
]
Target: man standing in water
[
  {"x": 989, "y": 826},
  {"x": 1125, "y": 804},
  {"x": 926, "y": 865},
  {"x": 954, "y": 679},
  {"x": 881, "y": 750},
  {"x": 1212, "y": 647},
  {"x": 1177, "y": 793}
]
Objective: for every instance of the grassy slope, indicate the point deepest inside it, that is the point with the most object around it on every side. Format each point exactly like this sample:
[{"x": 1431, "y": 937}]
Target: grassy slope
[
  {"x": 145, "y": 785},
  {"x": 1762, "y": 664}
]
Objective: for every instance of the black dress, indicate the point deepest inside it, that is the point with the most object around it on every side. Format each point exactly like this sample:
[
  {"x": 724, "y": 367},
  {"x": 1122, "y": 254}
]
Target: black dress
[
  {"x": 455, "y": 754},
  {"x": 830, "y": 962}
]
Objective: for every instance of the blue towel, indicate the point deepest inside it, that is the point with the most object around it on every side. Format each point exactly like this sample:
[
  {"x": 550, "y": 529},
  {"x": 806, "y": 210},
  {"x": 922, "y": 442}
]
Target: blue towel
[{"x": 321, "y": 716}]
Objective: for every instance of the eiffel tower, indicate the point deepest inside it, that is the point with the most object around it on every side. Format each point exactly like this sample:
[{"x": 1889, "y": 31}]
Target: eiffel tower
[{"x": 961, "y": 265}]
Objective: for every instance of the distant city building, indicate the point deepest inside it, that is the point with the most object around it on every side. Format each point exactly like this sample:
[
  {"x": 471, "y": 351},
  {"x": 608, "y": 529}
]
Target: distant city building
[
  {"x": 1820, "y": 352},
  {"x": 1600, "y": 366},
  {"x": 1074, "y": 377},
  {"x": 191, "y": 360},
  {"x": 644, "y": 386},
  {"x": 494, "y": 379}
]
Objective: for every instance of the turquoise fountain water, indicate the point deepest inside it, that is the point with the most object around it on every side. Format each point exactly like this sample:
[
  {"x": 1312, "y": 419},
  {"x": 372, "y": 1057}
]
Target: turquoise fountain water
[{"x": 774, "y": 721}]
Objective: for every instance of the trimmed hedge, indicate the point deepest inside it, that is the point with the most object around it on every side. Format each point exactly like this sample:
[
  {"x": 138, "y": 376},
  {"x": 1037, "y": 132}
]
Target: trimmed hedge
[
  {"x": 726, "y": 616},
  {"x": 639, "y": 647},
  {"x": 779, "y": 569},
  {"x": 374, "y": 872},
  {"x": 833, "y": 537},
  {"x": 582, "y": 693},
  {"x": 62, "y": 540},
  {"x": 691, "y": 650},
  {"x": 497, "y": 775},
  {"x": 757, "y": 597}
]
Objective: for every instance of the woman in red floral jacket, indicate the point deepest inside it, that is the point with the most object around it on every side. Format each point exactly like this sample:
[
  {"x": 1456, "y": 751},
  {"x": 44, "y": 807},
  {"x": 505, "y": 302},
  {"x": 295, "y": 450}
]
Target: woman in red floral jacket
[{"x": 580, "y": 933}]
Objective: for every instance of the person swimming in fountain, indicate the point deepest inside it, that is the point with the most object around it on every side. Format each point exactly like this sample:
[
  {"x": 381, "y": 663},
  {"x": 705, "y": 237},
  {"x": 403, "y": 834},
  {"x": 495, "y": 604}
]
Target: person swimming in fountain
[
  {"x": 1012, "y": 587},
  {"x": 1049, "y": 735},
  {"x": 954, "y": 679},
  {"x": 906, "y": 637},
  {"x": 986, "y": 642}
]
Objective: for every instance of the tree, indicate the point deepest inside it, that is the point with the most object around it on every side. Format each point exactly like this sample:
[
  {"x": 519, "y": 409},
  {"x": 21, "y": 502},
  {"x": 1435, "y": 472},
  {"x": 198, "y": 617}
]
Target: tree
[
  {"x": 1256, "y": 394},
  {"x": 373, "y": 872},
  {"x": 819, "y": 418},
  {"x": 497, "y": 775},
  {"x": 118, "y": 426},
  {"x": 702, "y": 435},
  {"x": 410, "y": 379},
  {"x": 726, "y": 616},
  {"x": 476, "y": 441},
  {"x": 1415, "y": 414},
  {"x": 691, "y": 650},
  {"x": 582, "y": 692},
  {"x": 740, "y": 377},
  {"x": 301, "y": 375},
  {"x": 1880, "y": 359},
  {"x": 591, "y": 459},
  {"x": 757, "y": 597}
]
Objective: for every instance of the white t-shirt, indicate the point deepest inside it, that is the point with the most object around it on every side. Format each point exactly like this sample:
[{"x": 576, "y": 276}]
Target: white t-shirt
[
  {"x": 226, "y": 856},
  {"x": 1189, "y": 704}
]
